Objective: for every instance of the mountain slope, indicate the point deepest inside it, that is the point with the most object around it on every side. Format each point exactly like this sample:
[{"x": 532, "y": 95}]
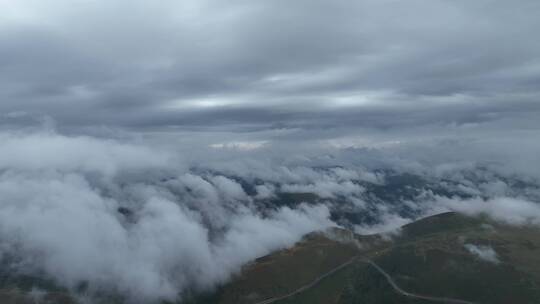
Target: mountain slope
[{"x": 432, "y": 259}]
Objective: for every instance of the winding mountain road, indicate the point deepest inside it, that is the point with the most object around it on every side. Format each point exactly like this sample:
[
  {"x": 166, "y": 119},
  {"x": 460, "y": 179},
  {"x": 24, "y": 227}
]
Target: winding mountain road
[
  {"x": 414, "y": 295},
  {"x": 381, "y": 271},
  {"x": 308, "y": 286}
]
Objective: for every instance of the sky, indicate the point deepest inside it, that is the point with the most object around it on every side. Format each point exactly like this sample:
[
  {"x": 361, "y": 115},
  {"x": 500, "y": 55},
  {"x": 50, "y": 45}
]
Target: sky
[
  {"x": 165, "y": 110},
  {"x": 349, "y": 72}
]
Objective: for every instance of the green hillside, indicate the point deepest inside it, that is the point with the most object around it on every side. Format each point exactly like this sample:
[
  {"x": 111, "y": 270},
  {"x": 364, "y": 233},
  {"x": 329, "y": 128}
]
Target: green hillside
[{"x": 429, "y": 258}]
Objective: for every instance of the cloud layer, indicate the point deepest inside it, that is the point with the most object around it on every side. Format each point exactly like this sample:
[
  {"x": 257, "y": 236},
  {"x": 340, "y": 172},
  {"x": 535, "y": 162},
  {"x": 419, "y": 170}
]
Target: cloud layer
[
  {"x": 87, "y": 210},
  {"x": 315, "y": 68},
  {"x": 149, "y": 222}
]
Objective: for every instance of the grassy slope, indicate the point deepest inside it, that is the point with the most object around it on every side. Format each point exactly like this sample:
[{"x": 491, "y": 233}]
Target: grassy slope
[
  {"x": 427, "y": 258},
  {"x": 436, "y": 263},
  {"x": 287, "y": 270}
]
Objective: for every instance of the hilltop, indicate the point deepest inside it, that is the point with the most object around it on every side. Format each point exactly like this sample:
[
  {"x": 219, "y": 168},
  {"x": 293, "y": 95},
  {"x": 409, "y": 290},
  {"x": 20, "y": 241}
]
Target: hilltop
[{"x": 434, "y": 257}]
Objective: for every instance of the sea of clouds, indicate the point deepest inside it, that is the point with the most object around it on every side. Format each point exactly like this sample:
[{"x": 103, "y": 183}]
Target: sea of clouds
[{"x": 150, "y": 223}]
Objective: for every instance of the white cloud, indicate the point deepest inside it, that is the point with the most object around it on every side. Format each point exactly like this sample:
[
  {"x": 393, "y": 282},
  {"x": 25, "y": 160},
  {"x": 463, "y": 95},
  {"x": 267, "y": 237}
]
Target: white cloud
[
  {"x": 241, "y": 145},
  {"x": 230, "y": 189},
  {"x": 509, "y": 210},
  {"x": 389, "y": 225},
  {"x": 485, "y": 253},
  {"x": 49, "y": 151},
  {"x": 58, "y": 213},
  {"x": 265, "y": 191}
]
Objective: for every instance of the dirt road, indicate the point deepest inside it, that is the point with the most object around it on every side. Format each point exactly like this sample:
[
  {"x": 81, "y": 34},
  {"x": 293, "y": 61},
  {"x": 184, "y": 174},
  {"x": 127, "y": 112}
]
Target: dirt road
[{"x": 381, "y": 271}]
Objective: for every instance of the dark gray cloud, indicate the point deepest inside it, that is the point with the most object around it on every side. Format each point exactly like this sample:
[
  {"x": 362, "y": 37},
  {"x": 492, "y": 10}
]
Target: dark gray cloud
[{"x": 259, "y": 65}]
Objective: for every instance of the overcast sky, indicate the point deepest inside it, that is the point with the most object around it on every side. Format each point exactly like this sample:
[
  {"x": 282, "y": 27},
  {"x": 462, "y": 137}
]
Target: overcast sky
[
  {"x": 278, "y": 69},
  {"x": 155, "y": 105}
]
